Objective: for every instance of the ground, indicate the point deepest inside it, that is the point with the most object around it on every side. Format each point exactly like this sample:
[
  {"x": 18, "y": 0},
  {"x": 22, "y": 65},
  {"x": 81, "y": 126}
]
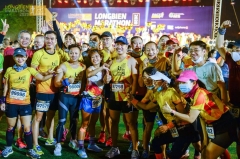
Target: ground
[{"x": 68, "y": 153}]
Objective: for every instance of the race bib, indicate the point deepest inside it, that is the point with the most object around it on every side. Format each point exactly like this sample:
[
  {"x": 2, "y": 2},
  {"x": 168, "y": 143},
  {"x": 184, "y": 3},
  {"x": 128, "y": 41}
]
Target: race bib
[
  {"x": 235, "y": 112},
  {"x": 210, "y": 131},
  {"x": 42, "y": 106},
  {"x": 96, "y": 102},
  {"x": 18, "y": 94},
  {"x": 117, "y": 87},
  {"x": 74, "y": 88},
  {"x": 174, "y": 132}
]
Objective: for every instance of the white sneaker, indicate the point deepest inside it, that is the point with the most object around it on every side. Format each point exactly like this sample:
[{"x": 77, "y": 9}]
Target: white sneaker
[
  {"x": 73, "y": 144},
  {"x": 113, "y": 152},
  {"x": 135, "y": 154},
  {"x": 58, "y": 149}
]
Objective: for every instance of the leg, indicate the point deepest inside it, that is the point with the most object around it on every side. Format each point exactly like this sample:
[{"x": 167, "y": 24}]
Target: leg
[
  {"x": 92, "y": 124},
  {"x": 50, "y": 123},
  {"x": 212, "y": 151},
  {"x": 27, "y": 130},
  {"x": 81, "y": 133},
  {"x": 115, "y": 116},
  {"x": 62, "y": 115},
  {"x": 147, "y": 134},
  {"x": 35, "y": 126},
  {"x": 126, "y": 125},
  {"x": 9, "y": 133},
  {"x": 20, "y": 143}
]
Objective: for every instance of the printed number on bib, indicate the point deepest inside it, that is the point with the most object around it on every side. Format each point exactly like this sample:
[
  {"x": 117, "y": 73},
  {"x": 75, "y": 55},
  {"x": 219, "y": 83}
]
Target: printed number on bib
[
  {"x": 74, "y": 88},
  {"x": 18, "y": 94},
  {"x": 210, "y": 132},
  {"x": 235, "y": 112},
  {"x": 96, "y": 102},
  {"x": 174, "y": 132},
  {"x": 42, "y": 106},
  {"x": 117, "y": 87}
]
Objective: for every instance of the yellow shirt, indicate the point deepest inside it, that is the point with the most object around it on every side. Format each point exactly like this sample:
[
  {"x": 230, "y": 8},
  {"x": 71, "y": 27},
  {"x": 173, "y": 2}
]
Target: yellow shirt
[
  {"x": 109, "y": 56},
  {"x": 121, "y": 74},
  {"x": 162, "y": 64},
  {"x": 45, "y": 62},
  {"x": 170, "y": 96},
  {"x": 19, "y": 83}
]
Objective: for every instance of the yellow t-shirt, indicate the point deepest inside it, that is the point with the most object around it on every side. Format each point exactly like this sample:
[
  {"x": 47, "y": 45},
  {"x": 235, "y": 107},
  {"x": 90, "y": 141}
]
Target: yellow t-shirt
[
  {"x": 121, "y": 74},
  {"x": 170, "y": 96},
  {"x": 19, "y": 83},
  {"x": 45, "y": 62},
  {"x": 109, "y": 56},
  {"x": 162, "y": 64}
]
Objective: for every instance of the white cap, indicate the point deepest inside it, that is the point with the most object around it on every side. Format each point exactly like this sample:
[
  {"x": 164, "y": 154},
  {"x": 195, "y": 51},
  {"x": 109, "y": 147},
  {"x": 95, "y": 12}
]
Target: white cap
[{"x": 160, "y": 76}]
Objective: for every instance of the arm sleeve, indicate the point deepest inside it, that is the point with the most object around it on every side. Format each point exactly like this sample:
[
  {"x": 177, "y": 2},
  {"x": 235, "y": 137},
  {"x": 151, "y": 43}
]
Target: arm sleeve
[
  {"x": 59, "y": 38},
  {"x": 33, "y": 71},
  {"x": 6, "y": 75},
  {"x": 217, "y": 73},
  {"x": 199, "y": 101},
  {"x": 36, "y": 58}
]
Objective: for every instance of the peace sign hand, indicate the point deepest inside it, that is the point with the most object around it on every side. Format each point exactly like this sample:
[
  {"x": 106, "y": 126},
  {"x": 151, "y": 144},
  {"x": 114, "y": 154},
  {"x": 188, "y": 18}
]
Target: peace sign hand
[
  {"x": 44, "y": 28},
  {"x": 5, "y": 25}
]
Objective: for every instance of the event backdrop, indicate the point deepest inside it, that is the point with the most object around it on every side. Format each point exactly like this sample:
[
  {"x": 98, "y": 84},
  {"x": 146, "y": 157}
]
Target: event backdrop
[{"x": 176, "y": 19}]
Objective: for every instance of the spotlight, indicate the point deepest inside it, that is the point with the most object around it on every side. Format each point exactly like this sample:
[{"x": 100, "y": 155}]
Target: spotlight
[
  {"x": 133, "y": 2},
  {"x": 78, "y": 1},
  {"x": 232, "y": 2},
  {"x": 184, "y": 0},
  {"x": 176, "y": 1},
  {"x": 90, "y": 2},
  {"x": 65, "y": 1},
  {"x": 198, "y": 1},
  {"x": 119, "y": 1},
  {"x": 59, "y": 1},
  {"x": 85, "y": 1},
  {"x": 125, "y": 1},
  {"x": 97, "y": 1},
  {"x": 164, "y": 0},
  {"x": 104, "y": 1},
  {"x": 110, "y": 2},
  {"x": 155, "y": 1},
  {"x": 170, "y": 0}
]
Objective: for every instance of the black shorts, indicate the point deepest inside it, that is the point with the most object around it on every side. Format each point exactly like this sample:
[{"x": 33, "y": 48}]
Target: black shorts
[
  {"x": 121, "y": 106},
  {"x": 149, "y": 116},
  {"x": 13, "y": 110},
  {"x": 45, "y": 102}
]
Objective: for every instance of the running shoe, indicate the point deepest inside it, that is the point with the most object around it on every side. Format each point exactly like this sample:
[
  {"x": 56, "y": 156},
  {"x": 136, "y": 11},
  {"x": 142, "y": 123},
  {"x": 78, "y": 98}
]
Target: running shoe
[
  {"x": 131, "y": 146},
  {"x": 58, "y": 150},
  {"x": 94, "y": 147},
  {"x": 31, "y": 153},
  {"x": 7, "y": 151},
  {"x": 113, "y": 152},
  {"x": 38, "y": 150},
  {"x": 50, "y": 142},
  {"x": 127, "y": 137},
  {"x": 20, "y": 143},
  {"x": 87, "y": 137},
  {"x": 135, "y": 154},
  {"x": 73, "y": 144},
  {"x": 42, "y": 134},
  {"x": 109, "y": 142},
  {"x": 64, "y": 135},
  {"x": 82, "y": 153},
  {"x": 102, "y": 137},
  {"x": 145, "y": 154}
]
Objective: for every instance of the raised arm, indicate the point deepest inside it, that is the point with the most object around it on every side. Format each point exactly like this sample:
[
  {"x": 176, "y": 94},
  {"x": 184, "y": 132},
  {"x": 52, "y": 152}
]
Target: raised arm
[
  {"x": 55, "y": 28},
  {"x": 4, "y": 30}
]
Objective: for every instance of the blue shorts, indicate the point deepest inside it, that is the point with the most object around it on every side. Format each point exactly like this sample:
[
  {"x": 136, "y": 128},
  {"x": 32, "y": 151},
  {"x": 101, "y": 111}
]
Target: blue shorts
[
  {"x": 13, "y": 110},
  {"x": 86, "y": 104},
  {"x": 45, "y": 102}
]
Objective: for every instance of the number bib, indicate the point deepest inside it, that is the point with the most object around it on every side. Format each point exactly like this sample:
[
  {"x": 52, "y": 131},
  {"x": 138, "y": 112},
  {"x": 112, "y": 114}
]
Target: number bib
[
  {"x": 18, "y": 94},
  {"x": 117, "y": 87},
  {"x": 210, "y": 131},
  {"x": 174, "y": 132},
  {"x": 74, "y": 88},
  {"x": 42, "y": 106},
  {"x": 96, "y": 102},
  {"x": 235, "y": 112}
]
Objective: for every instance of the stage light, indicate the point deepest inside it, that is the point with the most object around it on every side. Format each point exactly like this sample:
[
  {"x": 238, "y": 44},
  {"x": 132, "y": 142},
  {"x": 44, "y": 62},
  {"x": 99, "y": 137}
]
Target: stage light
[
  {"x": 184, "y": 0},
  {"x": 164, "y": 0},
  {"x": 155, "y": 1},
  {"x": 140, "y": 1},
  {"x": 176, "y": 1},
  {"x": 104, "y": 1},
  {"x": 65, "y": 1},
  {"x": 147, "y": 0},
  {"x": 170, "y": 0},
  {"x": 232, "y": 2},
  {"x": 59, "y": 1},
  {"x": 78, "y": 1},
  {"x": 119, "y": 1},
  {"x": 90, "y": 2},
  {"x": 125, "y": 1},
  {"x": 97, "y": 1},
  {"x": 133, "y": 2},
  {"x": 110, "y": 2},
  {"x": 85, "y": 1},
  {"x": 198, "y": 1},
  {"x": 190, "y": 0}
]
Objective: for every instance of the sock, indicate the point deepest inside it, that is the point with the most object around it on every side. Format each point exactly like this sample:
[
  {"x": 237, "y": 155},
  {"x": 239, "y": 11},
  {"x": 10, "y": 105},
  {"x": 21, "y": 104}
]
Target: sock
[
  {"x": 81, "y": 144},
  {"x": 29, "y": 139},
  {"x": 158, "y": 155},
  {"x": 9, "y": 137},
  {"x": 91, "y": 140}
]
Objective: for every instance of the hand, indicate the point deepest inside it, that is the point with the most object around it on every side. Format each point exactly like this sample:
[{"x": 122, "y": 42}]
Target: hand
[
  {"x": 105, "y": 66},
  {"x": 145, "y": 62},
  {"x": 50, "y": 71},
  {"x": 3, "y": 107},
  {"x": 107, "y": 78},
  {"x": 166, "y": 109},
  {"x": 54, "y": 15},
  {"x": 5, "y": 26},
  {"x": 71, "y": 80},
  {"x": 157, "y": 132},
  {"x": 163, "y": 128},
  {"x": 177, "y": 50},
  {"x": 44, "y": 28},
  {"x": 226, "y": 24}
]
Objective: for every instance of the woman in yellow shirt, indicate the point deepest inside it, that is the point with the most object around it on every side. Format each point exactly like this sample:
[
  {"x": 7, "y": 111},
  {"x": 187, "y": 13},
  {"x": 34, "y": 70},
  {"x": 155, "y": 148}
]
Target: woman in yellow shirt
[{"x": 16, "y": 100}]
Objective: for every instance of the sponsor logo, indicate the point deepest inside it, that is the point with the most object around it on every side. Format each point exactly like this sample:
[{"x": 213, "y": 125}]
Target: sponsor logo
[
  {"x": 136, "y": 19},
  {"x": 157, "y": 15},
  {"x": 170, "y": 27},
  {"x": 175, "y": 15},
  {"x": 181, "y": 27}
]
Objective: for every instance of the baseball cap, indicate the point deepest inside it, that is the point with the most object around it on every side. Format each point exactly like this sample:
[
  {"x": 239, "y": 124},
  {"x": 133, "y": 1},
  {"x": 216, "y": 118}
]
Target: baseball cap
[
  {"x": 237, "y": 43},
  {"x": 159, "y": 76},
  {"x": 172, "y": 40},
  {"x": 187, "y": 75},
  {"x": 19, "y": 51},
  {"x": 106, "y": 34},
  {"x": 121, "y": 39}
]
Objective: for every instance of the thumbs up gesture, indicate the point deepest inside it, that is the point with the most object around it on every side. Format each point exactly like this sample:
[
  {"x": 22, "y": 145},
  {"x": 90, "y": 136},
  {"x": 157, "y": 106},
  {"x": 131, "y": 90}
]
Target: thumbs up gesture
[{"x": 107, "y": 78}]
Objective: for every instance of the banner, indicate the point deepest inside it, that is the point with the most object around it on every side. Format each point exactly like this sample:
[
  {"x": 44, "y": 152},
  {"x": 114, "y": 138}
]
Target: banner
[{"x": 167, "y": 19}]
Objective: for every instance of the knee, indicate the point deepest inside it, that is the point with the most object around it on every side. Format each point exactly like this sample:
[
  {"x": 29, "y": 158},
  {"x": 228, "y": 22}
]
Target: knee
[
  {"x": 132, "y": 124},
  {"x": 61, "y": 122},
  {"x": 37, "y": 118},
  {"x": 10, "y": 128}
]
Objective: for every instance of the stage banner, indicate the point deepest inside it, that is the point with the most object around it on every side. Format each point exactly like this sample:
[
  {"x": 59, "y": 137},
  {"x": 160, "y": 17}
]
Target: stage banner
[{"x": 167, "y": 19}]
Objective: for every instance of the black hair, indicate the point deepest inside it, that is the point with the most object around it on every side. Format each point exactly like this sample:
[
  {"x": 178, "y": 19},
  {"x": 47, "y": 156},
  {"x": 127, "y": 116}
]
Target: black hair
[
  {"x": 50, "y": 32},
  {"x": 73, "y": 46},
  {"x": 151, "y": 42},
  {"x": 211, "y": 52},
  {"x": 135, "y": 37},
  {"x": 94, "y": 33},
  {"x": 200, "y": 83},
  {"x": 85, "y": 44},
  {"x": 185, "y": 50},
  {"x": 200, "y": 43}
]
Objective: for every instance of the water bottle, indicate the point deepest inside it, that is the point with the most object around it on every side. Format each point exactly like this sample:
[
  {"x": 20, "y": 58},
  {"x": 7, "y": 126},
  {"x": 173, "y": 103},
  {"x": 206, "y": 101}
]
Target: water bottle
[{"x": 159, "y": 121}]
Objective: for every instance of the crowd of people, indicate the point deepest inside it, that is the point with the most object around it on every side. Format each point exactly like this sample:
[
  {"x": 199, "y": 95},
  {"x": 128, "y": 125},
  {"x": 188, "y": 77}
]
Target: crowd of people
[{"x": 191, "y": 92}]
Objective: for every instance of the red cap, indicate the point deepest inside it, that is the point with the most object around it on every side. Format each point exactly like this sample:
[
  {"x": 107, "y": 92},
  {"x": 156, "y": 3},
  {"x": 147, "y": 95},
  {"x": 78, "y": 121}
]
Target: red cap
[{"x": 172, "y": 40}]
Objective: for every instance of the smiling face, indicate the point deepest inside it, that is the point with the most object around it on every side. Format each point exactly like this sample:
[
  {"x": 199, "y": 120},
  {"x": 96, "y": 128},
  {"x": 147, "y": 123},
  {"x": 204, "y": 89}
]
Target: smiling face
[
  {"x": 96, "y": 58},
  {"x": 151, "y": 50},
  {"x": 196, "y": 52},
  {"x": 24, "y": 39},
  {"x": 107, "y": 42},
  {"x": 69, "y": 41},
  {"x": 50, "y": 41},
  {"x": 20, "y": 60},
  {"x": 74, "y": 54},
  {"x": 121, "y": 48},
  {"x": 137, "y": 44}
]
